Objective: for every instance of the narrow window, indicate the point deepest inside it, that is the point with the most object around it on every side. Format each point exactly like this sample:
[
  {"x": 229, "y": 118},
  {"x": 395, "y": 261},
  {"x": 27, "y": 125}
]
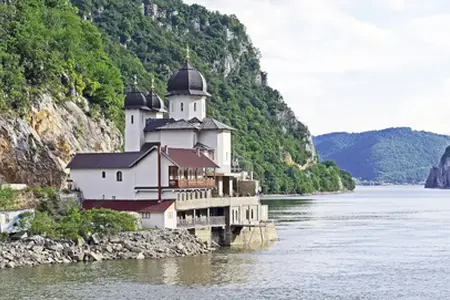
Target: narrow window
[
  {"x": 252, "y": 214},
  {"x": 182, "y": 106},
  {"x": 171, "y": 105},
  {"x": 195, "y": 106},
  {"x": 103, "y": 174},
  {"x": 247, "y": 215},
  {"x": 119, "y": 176},
  {"x": 132, "y": 119}
]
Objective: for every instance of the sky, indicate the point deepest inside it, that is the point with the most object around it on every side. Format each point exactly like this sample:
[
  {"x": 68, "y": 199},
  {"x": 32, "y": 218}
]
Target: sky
[{"x": 354, "y": 65}]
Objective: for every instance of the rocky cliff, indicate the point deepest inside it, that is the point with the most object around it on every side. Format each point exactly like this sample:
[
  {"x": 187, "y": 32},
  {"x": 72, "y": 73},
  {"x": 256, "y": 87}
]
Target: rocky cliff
[
  {"x": 35, "y": 149},
  {"x": 439, "y": 177}
]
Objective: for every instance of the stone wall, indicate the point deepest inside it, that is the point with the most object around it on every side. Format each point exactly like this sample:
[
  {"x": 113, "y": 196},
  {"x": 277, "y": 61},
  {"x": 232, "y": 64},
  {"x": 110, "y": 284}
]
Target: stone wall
[{"x": 248, "y": 236}]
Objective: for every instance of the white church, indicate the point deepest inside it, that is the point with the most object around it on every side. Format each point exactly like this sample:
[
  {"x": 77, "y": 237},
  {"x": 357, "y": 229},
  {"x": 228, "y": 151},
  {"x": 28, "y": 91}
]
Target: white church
[{"x": 176, "y": 167}]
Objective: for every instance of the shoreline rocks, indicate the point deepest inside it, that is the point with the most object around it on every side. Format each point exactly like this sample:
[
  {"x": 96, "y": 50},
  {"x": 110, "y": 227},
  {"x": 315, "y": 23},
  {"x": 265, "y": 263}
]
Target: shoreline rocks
[{"x": 157, "y": 243}]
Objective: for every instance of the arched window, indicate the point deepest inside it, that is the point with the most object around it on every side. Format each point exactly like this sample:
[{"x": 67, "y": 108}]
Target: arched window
[
  {"x": 132, "y": 119},
  {"x": 182, "y": 106},
  {"x": 195, "y": 106},
  {"x": 119, "y": 176}
]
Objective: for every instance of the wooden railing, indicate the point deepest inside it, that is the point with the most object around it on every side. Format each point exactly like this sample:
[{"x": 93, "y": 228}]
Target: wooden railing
[
  {"x": 192, "y": 183},
  {"x": 199, "y": 222}
]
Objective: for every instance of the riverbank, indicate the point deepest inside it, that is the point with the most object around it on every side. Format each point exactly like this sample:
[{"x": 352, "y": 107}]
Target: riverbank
[
  {"x": 157, "y": 243},
  {"x": 265, "y": 197}
]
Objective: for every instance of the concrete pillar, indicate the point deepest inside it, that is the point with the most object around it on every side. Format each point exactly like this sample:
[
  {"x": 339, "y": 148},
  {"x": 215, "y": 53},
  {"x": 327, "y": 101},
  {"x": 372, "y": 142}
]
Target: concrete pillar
[
  {"x": 220, "y": 187},
  {"x": 231, "y": 187}
]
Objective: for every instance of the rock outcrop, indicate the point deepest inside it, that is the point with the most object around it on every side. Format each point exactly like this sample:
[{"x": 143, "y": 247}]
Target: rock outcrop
[
  {"x": 439, "y": 177},
  {"x": 158, "y": 243},
  {"x": 35, "y": 149}
]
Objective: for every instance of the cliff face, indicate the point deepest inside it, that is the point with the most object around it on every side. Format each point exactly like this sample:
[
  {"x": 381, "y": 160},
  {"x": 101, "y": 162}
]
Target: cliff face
[
  {"x": 439, "y": 177},
  {"x": 36, "y": 149}
]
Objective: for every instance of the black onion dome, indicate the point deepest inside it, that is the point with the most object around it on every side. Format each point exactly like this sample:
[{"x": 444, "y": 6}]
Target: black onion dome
[
  {"x": 154, "y": 102},
  {"x": 187, "y": 81},
  {"x": 135, "y": 100}
]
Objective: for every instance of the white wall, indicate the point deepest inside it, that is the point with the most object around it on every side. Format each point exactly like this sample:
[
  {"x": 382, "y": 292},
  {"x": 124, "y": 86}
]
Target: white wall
[
  {"x": 153, "y": 137},
  {"x": 170, "y": 217},
  {"x": 167, "y": 219},
  {"x": 193, "y": 106},
  {"x": 220, "y": 141},
  {"x": 154, "y": 115},
  {"x": 155, "y": 220},
  {"x": 134, "y": 132},
  {"x": 178, "y": 138},
  {"x": 144, "y": 174}
]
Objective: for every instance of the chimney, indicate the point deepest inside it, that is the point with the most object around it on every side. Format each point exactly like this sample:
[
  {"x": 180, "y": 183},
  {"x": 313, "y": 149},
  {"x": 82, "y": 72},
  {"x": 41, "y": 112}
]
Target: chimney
[
  {"x": 198, "y": 151},
  {"x": 166, "y": 149}
]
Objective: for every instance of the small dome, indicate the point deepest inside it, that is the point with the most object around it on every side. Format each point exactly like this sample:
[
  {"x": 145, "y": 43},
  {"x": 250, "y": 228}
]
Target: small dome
[
  {"x": 154, "y": 102},
  {"x": 135, "y": 100},
  {"x": 187, "y": 81}
]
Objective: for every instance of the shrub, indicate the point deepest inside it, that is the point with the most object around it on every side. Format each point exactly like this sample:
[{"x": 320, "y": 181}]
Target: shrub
[
  {"x": 7, "y": 198},
  {"x": 106, "y": 221},
  {"x": 4, "y": 237},
  {"x": 43, "y": 224},
  {"x": 25, "y": 221}
]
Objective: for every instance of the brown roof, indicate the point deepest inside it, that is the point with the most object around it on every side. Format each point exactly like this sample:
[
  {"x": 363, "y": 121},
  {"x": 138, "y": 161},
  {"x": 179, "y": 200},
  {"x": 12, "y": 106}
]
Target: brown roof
[
  {"x": 129, "y": 205},
  {"x": 115, "y": 160},
  {"x": 189, "y": 158}
]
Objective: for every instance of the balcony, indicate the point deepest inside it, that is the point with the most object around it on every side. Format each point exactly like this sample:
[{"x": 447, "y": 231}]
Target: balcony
[
  {"x": 216, "y": 221},
  {"x": 192, "y": 183}
]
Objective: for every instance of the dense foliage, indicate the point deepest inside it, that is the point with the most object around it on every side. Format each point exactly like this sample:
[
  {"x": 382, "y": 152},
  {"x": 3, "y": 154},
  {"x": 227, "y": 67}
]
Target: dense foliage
[
  {"x": 76, "y": 223},
  {"x": 395, "y": 155},
  {"x": 8, "y": 200},
  {"x": 96, "y": 47},
  {"x": 40, "y": 40}
]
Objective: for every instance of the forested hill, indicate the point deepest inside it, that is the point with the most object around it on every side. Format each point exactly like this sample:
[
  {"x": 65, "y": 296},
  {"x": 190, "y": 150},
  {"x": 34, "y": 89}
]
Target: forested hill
[
  {"x": 91, "y": 49},
  {"x": 394, "y": 155}
]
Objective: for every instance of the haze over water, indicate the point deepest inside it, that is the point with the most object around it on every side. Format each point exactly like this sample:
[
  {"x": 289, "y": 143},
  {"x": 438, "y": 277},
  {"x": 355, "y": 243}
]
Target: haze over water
[{"x": 377, "y": 243}]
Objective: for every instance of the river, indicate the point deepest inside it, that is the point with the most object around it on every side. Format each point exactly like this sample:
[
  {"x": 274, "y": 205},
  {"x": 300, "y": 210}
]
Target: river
[{"x": 376, "y": 243}]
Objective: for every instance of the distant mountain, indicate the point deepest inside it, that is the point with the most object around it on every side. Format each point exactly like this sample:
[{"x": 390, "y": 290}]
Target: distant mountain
[{"x": 393, "y": 155}]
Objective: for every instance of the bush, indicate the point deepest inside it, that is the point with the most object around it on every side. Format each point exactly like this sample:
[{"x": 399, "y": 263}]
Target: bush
[
  {"x": 25, "y": 221},
  {"x": 106, "y": 221},
  {"x": 43, "y": 224},
  {"x": 76, "y": 223},
  {"x": 4, "y": 237},
  {"x": 7, "y": 198}
]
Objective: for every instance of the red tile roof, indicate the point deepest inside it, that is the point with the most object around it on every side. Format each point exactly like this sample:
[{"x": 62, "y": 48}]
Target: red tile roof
[
  {"x": 189, "y": 158},
  {"x": 129, "y": 205}
]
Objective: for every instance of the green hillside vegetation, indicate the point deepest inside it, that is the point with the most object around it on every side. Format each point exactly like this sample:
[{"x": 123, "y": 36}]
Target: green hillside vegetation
[
  {"x": 394, "y": 155},
  {"x": 47, "y": 45}
]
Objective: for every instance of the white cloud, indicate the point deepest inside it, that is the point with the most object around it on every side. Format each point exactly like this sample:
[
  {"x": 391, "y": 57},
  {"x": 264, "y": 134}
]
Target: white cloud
[{"x": 354, "y": 65}]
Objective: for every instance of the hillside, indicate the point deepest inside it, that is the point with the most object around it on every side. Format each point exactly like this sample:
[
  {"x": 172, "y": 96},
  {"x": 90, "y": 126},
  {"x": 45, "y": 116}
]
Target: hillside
[
  {"x": 83, "y": 54},
  {"x": 394, "y": 155}
]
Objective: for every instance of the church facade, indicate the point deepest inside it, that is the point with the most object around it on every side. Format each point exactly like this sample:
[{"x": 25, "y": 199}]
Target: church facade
[{"x": 176, "y": 168}]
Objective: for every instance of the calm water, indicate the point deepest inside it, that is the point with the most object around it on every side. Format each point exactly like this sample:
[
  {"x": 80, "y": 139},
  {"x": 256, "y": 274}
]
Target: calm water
[{"x": 378, "y": 243}]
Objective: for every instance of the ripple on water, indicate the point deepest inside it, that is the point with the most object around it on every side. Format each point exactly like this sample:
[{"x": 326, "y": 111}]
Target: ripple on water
[{"x": 377, "y": 243}]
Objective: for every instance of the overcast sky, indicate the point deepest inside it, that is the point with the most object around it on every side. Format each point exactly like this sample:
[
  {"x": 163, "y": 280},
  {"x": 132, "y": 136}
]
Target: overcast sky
[{"x": 354, "y": 65}]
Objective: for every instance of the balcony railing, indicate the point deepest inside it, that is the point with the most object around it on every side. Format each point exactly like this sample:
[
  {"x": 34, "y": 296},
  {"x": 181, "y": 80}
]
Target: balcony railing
[
  {"x": 199, "y": 222},
  {"x": 192, "y": 183}
]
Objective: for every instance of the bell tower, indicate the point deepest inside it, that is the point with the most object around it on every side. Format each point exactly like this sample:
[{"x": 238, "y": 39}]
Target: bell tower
[{"x": 187, "y": 92}]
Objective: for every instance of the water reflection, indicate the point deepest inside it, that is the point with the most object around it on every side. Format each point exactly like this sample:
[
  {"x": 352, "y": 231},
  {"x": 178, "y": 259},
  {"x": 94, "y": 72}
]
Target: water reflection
[{"x": 374, "y": 244}]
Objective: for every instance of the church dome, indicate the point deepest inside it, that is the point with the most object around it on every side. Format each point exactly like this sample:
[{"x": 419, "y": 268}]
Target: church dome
[
  {"x": 135, "y": 100},
  {"x": 187, "y": 81},
  {"x": 154, "y": 102}
]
